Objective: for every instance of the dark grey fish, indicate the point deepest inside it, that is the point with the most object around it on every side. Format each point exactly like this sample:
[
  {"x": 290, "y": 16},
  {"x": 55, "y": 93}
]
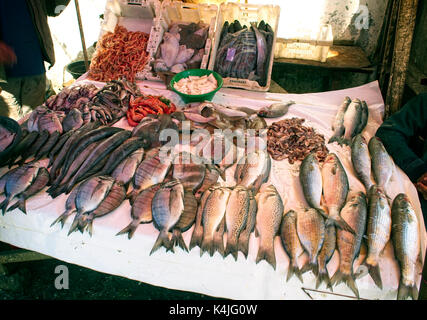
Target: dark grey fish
[
  {"x": 22, "y": 147},
  {"x": 36, "y": 146},
  {"x": 70, "y": 207},
  {"x": 102, "y": 150},
  {"x": 58, "y": 146},
  {"x": 49, "y": 144}
]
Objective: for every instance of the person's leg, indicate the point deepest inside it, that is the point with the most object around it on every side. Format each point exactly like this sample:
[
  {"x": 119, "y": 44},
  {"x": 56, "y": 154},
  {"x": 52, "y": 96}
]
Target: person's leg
[
  {"x": 10, "y": 99},
  {"x": 33, "y": 92}
]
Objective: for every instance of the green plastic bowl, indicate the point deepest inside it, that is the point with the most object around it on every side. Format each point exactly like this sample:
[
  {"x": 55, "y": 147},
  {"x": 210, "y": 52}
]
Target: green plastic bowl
[{"x": 196, "y": 97}]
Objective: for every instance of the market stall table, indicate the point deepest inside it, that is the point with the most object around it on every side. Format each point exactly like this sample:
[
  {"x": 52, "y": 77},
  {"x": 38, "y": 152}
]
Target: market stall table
[{"x": 216, "y": 276}]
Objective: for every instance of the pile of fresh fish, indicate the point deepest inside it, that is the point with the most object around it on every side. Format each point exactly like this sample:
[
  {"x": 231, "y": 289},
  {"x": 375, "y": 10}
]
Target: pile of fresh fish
[
  {"x": 349, "y": 121},
  {"x": 86, "y": 103},
  {"x": 371, "y": 160},
  {"x": 182, "y": 47},
  {"x": 91, "y": 199},
  {"x": 243, "y": 52}
]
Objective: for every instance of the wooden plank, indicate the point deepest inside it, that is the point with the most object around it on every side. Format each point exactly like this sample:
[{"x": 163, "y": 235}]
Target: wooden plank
[
  {"x": 402, "y": 49},
  {"x": 341, "y": 58}
]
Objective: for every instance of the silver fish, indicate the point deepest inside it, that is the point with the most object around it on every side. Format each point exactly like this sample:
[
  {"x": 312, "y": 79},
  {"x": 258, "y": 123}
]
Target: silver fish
[
  {"x": 361, "y": 160},
  {"x": 378, "y": 232},
  {"x": 125, "y": 171},
  {"x": 197, "y": 236},
  {"x": 167, "y": 207},
  {"x": 382, "y": 164},
  {"x": 268, "y": 219},
  {"x": 70, "y": 207},
  {"x": 406, "y": 242},
  {"x": 186, "y": 220},
  {"x": 325, "y": 254},
  {"x": 355, "y": 214},
  {"x": 338, "y": 124}
]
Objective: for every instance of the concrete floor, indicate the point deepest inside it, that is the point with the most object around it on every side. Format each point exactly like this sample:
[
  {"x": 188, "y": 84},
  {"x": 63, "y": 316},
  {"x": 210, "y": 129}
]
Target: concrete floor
[{"x": 36, "y": 281}]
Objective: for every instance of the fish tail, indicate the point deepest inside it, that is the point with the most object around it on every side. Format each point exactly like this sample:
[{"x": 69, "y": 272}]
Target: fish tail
[
  {"x": 218, "y": 244},
  {"x": 196, "y": 238},
  {"x": 19, "y": 204},
  {"x": 4, "y": 204},
  {"x": 266, "y": 254},
  {"x": 323, "y": 277},
  {"x": 89, "y": 226},
  {"x": 62, "y": 218},
  {"x": 177, "y": 239},
  {"x": 74, "y": 225},
  {"x": 294, "y": 270},
  {"x": 129, "y": 229},
  {"x": 244, "y": 243},
  {"x": 311, "y": 266},
  {"x": 162, "y": 241},
  {"x": 207, "y": 246},
  {"x": 347, "y": 279},
  {"x": 339, "y": 223},
  {"x": 404, "y": 291},
  {"x": 374, "y": 272},
  {"x": 231, "y": 247}
]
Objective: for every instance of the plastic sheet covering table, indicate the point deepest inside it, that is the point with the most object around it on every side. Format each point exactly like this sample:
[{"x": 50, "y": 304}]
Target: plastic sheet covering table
[{"x": 216, "y": 276}]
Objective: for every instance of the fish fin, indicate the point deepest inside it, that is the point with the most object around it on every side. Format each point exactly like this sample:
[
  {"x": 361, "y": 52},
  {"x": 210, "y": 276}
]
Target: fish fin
[
  {"x": 323, "y": 276},
  {"x": 347, "y": 279},
  {"x": 129, "y": 229},
  {"x": 267, "y": 255},
  {"x": 322, "y": 213},
  {"x": 63, "y": 217},
  {"x": 196, "y": 238},
  {"x": 218, "y": 244},
  {"x": 177, "y": 239},
  {"x": 339, "y": 223},
  {"x": 162, "y": 241},
  {"x": 207, "y": 246},
  {"x": 18, "y": 204},
  {"x": 4, "y": 204},
  {"x": 311, "y": 266},
  {"x": 74, "y": 225},
  {"x": 89, "y": 226},
  {"x": 374, "y": 272},
  {"x": 404, "y": 291},
  {"x": 294, "y": 270},
  {"x": 231, "y": 247},
  {"x": 243, "y": 245}
]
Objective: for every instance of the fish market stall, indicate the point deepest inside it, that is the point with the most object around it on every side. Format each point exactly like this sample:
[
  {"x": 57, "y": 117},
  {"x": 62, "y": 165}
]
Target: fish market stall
[{"x": 122, "y": 244}]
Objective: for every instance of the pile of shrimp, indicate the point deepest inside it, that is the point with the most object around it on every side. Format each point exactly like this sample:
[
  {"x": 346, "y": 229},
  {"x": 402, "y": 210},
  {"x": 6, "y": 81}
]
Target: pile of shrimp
[{"x": 119, "y": 54}]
